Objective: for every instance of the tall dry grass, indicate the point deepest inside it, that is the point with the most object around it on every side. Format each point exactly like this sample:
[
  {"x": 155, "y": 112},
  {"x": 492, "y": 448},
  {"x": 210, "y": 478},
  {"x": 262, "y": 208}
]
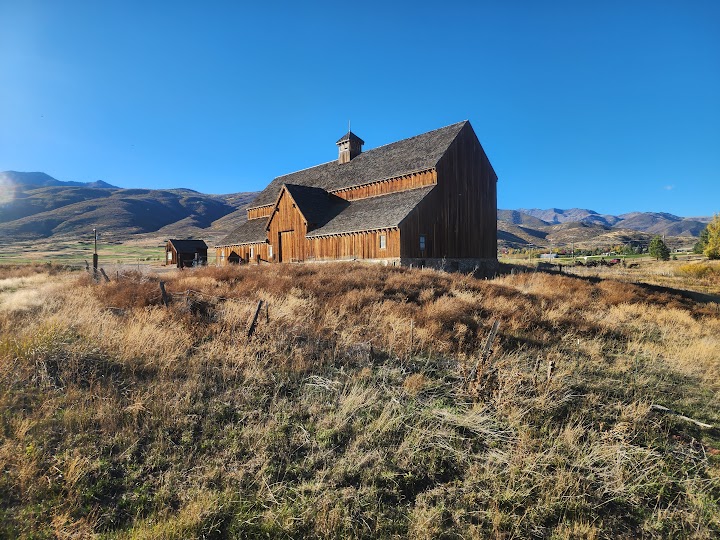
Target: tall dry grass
[{"x": 350, "y": 413}]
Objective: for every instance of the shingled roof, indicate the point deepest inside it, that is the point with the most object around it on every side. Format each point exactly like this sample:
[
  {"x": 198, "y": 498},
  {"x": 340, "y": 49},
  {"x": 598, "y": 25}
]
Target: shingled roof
[
  {"x": 415, "y": 154},
  {"x": 314, "y": 203},
  {"x": 250, "y": 232},
  {"x": 383, "y": 212},
  {"x": 188, "y": 246}
]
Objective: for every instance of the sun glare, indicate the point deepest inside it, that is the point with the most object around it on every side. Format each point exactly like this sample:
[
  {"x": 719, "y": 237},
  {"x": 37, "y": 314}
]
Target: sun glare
[{"x": 7, "y": 190}]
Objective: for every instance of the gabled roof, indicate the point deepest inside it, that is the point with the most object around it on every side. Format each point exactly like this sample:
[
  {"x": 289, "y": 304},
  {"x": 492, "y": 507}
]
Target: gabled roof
[
  {"x": 382, "y": 212},
  {"x": 187, "y": 246},
  {"x": 350, "y": 136},
  {"x": 415, "y": 154},
  {"x": 314, "y": 203},
  {"x": 250, "y": 232}
]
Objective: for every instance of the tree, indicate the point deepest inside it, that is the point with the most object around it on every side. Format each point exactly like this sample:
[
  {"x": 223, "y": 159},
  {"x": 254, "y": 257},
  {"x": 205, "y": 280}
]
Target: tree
[
  {"x": 699, "y": 246},
  {"x": 658, "y": 249},
  {"x": 712, "y": 247}
]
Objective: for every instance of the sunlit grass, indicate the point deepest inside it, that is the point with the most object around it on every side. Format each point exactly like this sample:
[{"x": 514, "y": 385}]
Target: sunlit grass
[{"x": 350, "y": 413}]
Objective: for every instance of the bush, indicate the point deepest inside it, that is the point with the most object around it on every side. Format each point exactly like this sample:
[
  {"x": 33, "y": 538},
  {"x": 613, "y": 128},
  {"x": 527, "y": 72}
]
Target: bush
[{"x": 698, "y": 270}]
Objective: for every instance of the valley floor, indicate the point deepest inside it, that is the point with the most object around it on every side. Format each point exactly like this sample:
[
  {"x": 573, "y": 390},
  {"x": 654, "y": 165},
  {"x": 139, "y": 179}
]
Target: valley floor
[{"x": 363, "y": 405}]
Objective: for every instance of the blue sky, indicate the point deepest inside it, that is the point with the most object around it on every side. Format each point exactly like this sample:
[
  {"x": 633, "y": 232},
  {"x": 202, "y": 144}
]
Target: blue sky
[{"x": 613, "y": 106}]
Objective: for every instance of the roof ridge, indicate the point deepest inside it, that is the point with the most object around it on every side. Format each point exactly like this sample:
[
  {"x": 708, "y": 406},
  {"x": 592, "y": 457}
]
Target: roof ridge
[
  {"x": 373, "y": 149},
  {"x": 412, "y": 154},
  {"x": 415, "y": 136}
]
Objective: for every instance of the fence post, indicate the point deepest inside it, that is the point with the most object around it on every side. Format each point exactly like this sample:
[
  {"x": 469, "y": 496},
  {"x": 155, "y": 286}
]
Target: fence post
[
  {"x": 412, "y": 335},
  {"x": 251, "y": 330},
  {"x": 164, "y": 294},
  {"x": 485, "y": 353}
]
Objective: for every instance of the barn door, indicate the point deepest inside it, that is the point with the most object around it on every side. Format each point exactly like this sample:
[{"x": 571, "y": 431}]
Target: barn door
[{"x": 286, "y": 246}]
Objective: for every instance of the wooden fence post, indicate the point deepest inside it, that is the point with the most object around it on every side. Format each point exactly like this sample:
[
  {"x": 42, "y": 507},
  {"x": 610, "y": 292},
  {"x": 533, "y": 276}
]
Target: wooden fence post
[
  {"x": 164, "y": 294},
  {"x": 251, "y": 330},
  {"x": 412, "y": 335},
  {"x": 107, "y": 279},
  {"x": 485, "y": 353}
]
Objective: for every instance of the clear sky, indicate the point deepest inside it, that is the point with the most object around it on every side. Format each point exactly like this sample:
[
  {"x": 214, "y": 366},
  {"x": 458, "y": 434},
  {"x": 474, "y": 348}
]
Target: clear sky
[{"x": 612, "y": 106}]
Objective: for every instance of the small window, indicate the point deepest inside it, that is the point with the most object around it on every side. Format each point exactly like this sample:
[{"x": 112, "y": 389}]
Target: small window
[
  {"x": 269, "y": 251},
  {"x": 169, "y": 255},
  {"x": 252, "y": 252},
  {"x": 383, "y": 241},
  {"x": 422, "y": 242},
  {"x": 222, "y": 255}
]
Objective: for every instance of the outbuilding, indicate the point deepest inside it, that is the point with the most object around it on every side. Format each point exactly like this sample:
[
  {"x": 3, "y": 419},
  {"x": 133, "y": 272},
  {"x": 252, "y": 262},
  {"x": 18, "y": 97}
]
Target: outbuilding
[{"x": 183, "y": 253}]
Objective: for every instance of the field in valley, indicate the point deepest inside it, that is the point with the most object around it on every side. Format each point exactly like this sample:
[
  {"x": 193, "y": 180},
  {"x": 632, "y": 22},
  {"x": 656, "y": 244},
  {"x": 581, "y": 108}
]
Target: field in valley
[{"x": 364, "y": 404}]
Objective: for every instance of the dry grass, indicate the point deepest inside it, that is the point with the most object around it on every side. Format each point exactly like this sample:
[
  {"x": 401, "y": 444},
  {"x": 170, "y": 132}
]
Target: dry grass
[{"x": 349, "y": 413}]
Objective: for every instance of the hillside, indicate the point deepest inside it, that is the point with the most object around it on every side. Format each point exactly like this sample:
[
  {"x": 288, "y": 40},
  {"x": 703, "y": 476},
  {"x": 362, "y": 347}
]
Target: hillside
[
  {"x": 587, "y": 229},
  {"x": 649, "y": 222},
  {"x": 35, "y": 206},
  {"x": 358, "y": 409},
  {"x": 42, "y": 179},
  {"x": 61, "y": 211}
]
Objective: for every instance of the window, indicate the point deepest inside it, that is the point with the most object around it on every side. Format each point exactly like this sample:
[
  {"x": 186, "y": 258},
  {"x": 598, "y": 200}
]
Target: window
[
  {"x": 252, "y": 252},
  {"x": 169, "y": 255},
  {"x": 269, "y": 251},
  {"x": 383, "y": 241},
  {"x": 422, "y": 242},
  {"x": 222, "y": 255}
]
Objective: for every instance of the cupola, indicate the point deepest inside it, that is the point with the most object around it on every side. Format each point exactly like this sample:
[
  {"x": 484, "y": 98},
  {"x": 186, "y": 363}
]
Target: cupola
[{"x": 349, "y": 146}]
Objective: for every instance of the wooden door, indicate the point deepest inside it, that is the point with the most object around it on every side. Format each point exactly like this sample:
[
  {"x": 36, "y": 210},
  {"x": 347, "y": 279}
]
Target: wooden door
[{"x": 286, "y": 246}]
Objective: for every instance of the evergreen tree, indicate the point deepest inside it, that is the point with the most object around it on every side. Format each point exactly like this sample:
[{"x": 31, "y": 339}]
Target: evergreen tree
[
  {"x": 699, "y": 246},
  {"x": 658, "y": 249}
]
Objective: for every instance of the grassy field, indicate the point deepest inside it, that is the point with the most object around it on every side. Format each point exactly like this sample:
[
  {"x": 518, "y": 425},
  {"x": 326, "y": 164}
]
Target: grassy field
[
  {"x": 71, "y": 253},
  {"x": 688, "y": 273},
  {"x": 362, "y": 407}
]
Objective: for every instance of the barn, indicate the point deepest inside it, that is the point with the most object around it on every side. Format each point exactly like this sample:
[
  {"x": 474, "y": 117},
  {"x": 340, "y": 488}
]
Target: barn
[
  {"x": 430, "y": 200},
  {"x": 182, "y": 253}
]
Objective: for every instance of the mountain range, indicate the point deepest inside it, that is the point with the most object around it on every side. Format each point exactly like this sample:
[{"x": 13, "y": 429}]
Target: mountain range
[{"x": 35, "y": 206}]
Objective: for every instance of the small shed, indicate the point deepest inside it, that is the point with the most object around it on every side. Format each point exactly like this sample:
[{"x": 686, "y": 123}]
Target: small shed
[{"x": 183, "y": 253}]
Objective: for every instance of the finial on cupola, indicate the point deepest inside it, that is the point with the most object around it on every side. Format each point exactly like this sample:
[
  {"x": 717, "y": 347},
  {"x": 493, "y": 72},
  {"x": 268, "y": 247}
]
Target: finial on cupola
[{"x": 349, "y": 146}]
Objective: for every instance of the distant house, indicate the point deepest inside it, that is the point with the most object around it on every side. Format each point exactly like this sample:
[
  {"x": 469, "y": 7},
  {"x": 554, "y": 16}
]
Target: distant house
[
  {"x": 185, "y": 253},
  {"x": 429, "y": 200}
]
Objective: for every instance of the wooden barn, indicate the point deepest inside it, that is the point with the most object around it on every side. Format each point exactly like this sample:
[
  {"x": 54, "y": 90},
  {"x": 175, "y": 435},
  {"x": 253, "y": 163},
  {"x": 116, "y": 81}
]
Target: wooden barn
[
  {"x": 182, "y": 253},
  {"x": 430, "y": 200}
]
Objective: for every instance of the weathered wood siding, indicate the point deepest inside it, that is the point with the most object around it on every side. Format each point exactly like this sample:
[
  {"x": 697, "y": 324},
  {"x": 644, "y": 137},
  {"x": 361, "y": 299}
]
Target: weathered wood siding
[
  {"x": 170, "y": 250},
  {"x": 227, "y": 254},
  {"x": 458, "y": 218},
  {"x": 287, "y": 229},
  {"x": 391, "y": 185},
  {"x": 381, "y": 187},
  {"x": 262, "y": 211},
  {"x": 363, "y": 245}
]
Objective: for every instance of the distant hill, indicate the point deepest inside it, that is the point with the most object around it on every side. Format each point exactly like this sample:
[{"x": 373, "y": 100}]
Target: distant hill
[
  {"x": 43, "y": 179},
  {"x": 648, "y": 222},
  {"x": 518, "y": 217},
  {"x": 42, "y": 207},
  {"x": 555, "y": 215}
]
